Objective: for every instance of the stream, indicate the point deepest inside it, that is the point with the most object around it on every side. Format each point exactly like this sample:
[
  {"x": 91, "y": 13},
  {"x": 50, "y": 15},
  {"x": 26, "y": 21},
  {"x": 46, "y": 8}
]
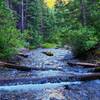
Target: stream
[{"x": 55, "y": 90}]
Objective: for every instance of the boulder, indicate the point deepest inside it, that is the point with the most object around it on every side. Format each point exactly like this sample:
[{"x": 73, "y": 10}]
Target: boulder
[{"x": 48, "y": 53}]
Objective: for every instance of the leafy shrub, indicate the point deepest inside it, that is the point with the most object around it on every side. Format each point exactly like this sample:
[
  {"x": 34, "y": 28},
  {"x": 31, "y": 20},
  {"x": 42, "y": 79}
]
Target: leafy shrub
[
  {"x": 81, "y": 40},
  {"x": 9, "y": 35},
  {"x": 33, "y": 38}
]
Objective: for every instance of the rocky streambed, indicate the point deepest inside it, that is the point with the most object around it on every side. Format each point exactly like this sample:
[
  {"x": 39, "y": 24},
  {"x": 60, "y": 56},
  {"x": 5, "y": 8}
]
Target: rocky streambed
[{"x": 48, "y": 90}]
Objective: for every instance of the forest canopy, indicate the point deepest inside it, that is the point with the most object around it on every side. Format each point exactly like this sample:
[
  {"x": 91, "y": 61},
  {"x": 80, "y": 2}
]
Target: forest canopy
[
  {"x": 51, "y": 3},
  {"x": 48, "y": 23}
]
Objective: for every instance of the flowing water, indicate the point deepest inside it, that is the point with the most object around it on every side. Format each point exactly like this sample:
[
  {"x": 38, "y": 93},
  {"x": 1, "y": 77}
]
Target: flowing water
[{"x": 55, "y": 90}]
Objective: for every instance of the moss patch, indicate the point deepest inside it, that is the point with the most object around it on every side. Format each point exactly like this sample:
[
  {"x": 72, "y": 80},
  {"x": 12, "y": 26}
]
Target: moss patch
[{"x": 49, "y": 45}]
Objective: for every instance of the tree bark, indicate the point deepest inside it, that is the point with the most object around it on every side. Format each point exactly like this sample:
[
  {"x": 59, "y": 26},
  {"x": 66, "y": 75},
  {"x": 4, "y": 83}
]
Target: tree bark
[
  {"x": 14, "y": 66},
  {"x": 22, "y": 16},
  {"x": 24, "y": 68},
  {"x": 83, "y": 12},
  {"x": 85, "y": 65}
]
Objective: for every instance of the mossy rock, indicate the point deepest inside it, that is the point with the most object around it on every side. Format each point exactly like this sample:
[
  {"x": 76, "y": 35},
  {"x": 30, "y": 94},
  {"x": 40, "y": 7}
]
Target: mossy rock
[
  {"x": 97, "y": 52},
  {"x": 48, "y": 53}
]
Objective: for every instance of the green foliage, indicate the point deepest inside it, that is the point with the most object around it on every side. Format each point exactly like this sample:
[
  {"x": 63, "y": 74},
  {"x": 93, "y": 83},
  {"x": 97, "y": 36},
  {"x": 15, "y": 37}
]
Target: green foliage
[
  {"x": 49, "y": 45},
  {"x": 40, "y": 21},
  {"x": 50, "y": 28},
  {"x": 81, "y": 40},
  {"x": 71, "y": 29},
  {"x": 33, "y": 38},
  {"x": 9, "y": 35}
]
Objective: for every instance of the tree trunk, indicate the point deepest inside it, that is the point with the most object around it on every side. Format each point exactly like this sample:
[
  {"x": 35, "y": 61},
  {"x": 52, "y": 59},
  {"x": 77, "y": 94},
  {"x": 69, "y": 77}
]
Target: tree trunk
[
  {"x": 22, "y": 16},
  {"x": 14, "y": 66},
  {"x": 89, "y": 65},
  {"x": 9, "y": 3},
  {"x": 83, "y": 12}
]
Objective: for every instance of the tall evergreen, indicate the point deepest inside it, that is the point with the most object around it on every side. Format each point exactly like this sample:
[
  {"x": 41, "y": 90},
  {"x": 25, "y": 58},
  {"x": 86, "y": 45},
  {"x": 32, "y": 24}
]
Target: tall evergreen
[
  {"x": 9, "y": 35},
  {"x": 73, "y": 22}
]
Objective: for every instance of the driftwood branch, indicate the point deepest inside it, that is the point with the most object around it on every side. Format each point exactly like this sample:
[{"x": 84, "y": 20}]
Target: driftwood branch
[
  {"x": 83, "y": 64},
  {"x": 52, "y": 79},
  {"x": 24, "y": 68}
]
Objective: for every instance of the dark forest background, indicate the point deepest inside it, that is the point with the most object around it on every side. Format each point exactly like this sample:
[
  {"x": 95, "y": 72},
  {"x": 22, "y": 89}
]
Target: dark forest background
[{"x": 32, "y": 24}]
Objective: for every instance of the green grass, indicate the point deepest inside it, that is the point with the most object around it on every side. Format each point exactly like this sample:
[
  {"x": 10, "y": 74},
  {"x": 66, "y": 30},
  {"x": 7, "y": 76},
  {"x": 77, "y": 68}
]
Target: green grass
[
  {"x": 32, "y": 47},
  {"x": 49, "y": 45}
]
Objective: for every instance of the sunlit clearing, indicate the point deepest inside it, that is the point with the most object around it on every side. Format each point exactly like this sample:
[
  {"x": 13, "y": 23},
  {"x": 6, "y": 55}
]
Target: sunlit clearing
[{"x": 51, "y": 3}]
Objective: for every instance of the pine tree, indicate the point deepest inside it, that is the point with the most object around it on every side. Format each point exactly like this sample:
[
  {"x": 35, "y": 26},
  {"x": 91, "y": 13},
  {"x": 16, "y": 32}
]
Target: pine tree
[{"x": 9, "y": 35}]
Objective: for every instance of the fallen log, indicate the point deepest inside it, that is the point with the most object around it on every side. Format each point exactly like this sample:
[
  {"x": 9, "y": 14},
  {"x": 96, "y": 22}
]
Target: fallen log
[
  {"x": 14, "y": 66},
  {"x": 88, "y": 77},
  {"x": 83, "y": 64},
  {"x": 52, "y": 79},
  {"x": 24, "y": 68}
]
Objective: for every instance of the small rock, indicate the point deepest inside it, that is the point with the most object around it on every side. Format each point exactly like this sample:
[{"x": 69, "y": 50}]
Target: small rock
[{"x": 48, "y": 53}]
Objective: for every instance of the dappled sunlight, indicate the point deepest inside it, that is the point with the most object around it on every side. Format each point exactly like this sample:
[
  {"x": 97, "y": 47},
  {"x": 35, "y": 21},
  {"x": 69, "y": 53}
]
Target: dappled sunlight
[
  {"x": 66, "y": 1},
  {"x": 51, "y": 3}
]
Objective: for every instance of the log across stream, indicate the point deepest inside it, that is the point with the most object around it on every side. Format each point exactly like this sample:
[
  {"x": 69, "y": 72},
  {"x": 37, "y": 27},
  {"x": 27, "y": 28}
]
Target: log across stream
[
  {"x": 84, "y": 64},
  {"x": 24, "y": 68}
]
